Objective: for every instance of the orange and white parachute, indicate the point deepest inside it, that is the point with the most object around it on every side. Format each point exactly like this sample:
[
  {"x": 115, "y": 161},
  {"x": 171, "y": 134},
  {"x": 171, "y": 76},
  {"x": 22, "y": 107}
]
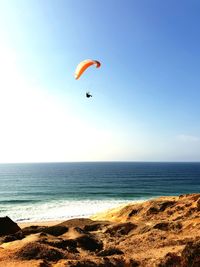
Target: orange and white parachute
[{"x": 83, "y": 65}]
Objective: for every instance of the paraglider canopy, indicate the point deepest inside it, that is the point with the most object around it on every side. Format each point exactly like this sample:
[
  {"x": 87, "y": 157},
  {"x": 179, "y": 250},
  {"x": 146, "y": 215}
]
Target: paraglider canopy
[{"x": 83, "y": 65}]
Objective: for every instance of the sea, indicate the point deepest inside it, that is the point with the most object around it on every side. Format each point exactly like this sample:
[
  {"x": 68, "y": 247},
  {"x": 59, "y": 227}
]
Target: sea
[{"x": 34, "y": 192}]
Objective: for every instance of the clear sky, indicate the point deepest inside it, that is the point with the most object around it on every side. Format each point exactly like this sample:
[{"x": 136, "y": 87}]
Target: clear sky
[{"x": 146, "y": 95}]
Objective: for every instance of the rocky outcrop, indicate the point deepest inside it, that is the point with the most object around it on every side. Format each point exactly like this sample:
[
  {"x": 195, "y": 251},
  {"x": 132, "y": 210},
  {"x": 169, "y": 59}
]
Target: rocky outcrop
[{"x": 7, "y": 226}]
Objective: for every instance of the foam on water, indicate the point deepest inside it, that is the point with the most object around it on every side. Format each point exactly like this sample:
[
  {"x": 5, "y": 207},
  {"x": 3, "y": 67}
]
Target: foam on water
[{"x": 59, "y": 210}]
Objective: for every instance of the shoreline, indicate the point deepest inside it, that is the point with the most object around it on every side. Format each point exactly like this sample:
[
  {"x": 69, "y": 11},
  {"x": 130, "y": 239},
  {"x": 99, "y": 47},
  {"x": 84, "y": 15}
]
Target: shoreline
[
  {"x": 92, "y": 216},
  {"x": 60, "y": 210},
  {"x": 50, "y": 222}
]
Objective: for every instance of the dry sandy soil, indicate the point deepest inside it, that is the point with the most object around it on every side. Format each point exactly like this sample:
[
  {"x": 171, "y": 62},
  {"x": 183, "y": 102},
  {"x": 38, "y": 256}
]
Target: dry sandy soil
[{"x": 163, "y": 232}]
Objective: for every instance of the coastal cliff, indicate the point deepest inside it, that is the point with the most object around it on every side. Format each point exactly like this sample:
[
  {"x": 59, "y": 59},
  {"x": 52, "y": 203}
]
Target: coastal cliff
[{"x": 160, "y": 232}]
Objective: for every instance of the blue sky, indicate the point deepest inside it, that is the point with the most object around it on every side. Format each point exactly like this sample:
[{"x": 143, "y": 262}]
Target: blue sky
[{"x": 145, "y": 104}]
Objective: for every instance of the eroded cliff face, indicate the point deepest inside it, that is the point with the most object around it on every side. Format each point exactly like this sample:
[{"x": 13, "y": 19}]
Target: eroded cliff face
[{"x": 160, "y": 232}]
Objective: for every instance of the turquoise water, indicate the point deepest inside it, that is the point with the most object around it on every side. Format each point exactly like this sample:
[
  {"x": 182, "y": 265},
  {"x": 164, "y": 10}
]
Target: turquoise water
[{"x": 49, "y": 191}]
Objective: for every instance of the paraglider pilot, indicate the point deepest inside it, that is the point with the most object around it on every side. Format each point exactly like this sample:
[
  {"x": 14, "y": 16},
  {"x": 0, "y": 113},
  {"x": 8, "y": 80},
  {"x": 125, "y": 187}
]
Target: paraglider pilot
[{"x": 88, "y": 95}]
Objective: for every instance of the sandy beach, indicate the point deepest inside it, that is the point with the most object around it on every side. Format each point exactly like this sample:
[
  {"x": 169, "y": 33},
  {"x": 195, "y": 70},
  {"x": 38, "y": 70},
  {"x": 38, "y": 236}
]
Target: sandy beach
[
  {"x": 93, "y": 217},
  {"x": 43, "y": 223},
  {"x": 161, "y": 232}
]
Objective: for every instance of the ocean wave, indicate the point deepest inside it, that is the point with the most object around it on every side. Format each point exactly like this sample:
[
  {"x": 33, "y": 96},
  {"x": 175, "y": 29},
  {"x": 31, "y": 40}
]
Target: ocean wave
[
  {"x": 18, "y": 201},
  {"x": 60, "y": 210}
]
